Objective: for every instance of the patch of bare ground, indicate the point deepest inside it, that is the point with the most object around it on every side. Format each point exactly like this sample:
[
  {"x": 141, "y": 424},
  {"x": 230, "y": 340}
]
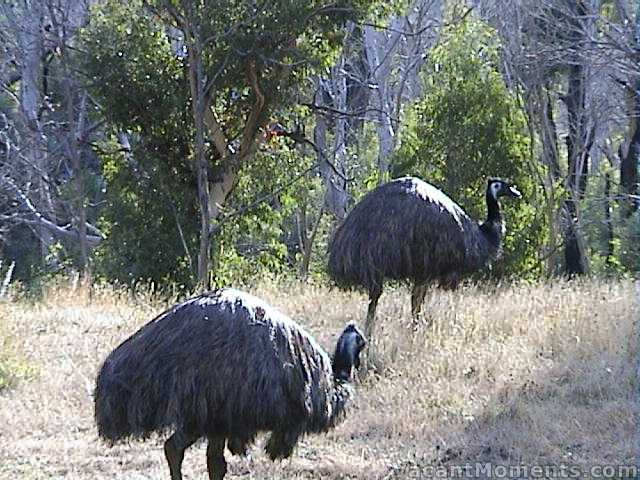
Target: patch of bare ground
[{"x": 520, "y": 374}]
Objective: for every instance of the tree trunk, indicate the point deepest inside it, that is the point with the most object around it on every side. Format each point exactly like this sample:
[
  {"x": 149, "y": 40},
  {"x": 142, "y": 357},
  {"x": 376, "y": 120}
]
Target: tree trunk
[
  {"x": 301, "y": 227},
  {"x": 541, "y": 113},
  {"x": 308, "y": 248},
  {"x": 333, "y": 166},
  {"x": 394, "y": 60},
  {"x": 80, "y": 213},
  {"x": 578, "y": 143},
  {"x": 196, "y": 83},
  {"x": 608, "y": 220},
  {"x": 75, "y": 133},
  {"x": 337, "y": 174},
  {"x": 31, "y": 43},
  {"x": 64, "y": 23},
  {"x": 379, "y": 50},
  {"x": 629, "y": 161}
]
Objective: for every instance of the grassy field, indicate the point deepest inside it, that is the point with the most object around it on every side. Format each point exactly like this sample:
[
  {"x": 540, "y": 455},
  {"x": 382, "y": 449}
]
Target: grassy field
[{"x": 541, "y": 374}]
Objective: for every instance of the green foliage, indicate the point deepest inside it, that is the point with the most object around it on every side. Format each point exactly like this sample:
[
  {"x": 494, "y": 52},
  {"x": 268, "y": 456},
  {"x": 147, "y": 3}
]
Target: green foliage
[
  {"x": 138, "y": 68},
  {"x": 256, "y": 233},
  {"x": 149, "y": 219},
  {"x": 132, "y": 68},
  {"x": 602, "y": 251},
  {"x": 629, "y": 250},
  {"x": 285, "y": 41},
  {"x": 468, "y": 127},
  {"x": 612, "y": 241}
]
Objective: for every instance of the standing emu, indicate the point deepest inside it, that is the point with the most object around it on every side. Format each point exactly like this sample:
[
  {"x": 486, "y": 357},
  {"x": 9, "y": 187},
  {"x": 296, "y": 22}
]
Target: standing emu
[
  {"x": 407, "y": 229},
  {"x": 224, "y": 366}
]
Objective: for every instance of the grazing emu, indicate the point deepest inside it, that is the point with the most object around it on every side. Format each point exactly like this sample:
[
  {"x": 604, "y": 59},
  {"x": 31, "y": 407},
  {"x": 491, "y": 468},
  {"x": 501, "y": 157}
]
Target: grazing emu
[
  {"x": 407, "y": 229},
  {"x": 224, "y": 366}
]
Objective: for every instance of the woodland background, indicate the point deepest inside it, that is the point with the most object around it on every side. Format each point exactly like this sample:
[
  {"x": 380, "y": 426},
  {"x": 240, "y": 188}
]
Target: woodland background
[
  {"x": 184, "y": 143},
  {"x": 152, "y": 148}
]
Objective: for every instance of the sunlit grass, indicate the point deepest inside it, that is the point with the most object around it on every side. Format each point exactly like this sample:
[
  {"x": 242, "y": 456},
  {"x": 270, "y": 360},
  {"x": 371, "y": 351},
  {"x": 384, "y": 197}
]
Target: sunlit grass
[{"x": 515, "y": 374}]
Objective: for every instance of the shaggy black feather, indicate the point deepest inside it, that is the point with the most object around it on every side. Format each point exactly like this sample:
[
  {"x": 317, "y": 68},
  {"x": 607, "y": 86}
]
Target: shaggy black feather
[
  {"x": 224, "y": 365},
  {"x": 407, "y": 229}
]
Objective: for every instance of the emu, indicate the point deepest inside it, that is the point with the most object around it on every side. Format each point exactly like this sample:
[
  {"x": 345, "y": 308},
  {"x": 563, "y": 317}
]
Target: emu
[
  {"x": 224, "y": 366},
  {"x": 407, "y": 229}
]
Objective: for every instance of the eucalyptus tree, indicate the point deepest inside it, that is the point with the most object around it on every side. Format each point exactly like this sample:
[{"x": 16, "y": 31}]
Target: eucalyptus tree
[{"x": 239, "y": 61}]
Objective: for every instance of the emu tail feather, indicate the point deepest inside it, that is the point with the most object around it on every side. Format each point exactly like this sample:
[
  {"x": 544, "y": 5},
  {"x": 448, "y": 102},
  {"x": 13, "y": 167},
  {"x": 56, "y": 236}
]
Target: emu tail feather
[
  {"x": 110, "y": 401},
  {"x": 281, "y": 444},
  {"x": 120, "y": 414}
]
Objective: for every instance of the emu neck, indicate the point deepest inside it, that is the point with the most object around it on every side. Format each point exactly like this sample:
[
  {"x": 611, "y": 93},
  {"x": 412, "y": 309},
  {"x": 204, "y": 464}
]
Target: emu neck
[
  {"x": 341, "y": 401},
  {"x": 493, "y": 209},
  {"x": 343, "y": 360},
  {"x": 492, "y": 227}
]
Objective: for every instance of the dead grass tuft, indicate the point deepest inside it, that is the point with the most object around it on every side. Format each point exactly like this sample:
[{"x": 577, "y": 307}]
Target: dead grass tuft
[
  {"x": 517, "y": 374},
  {"x": 13, "y": 368}
]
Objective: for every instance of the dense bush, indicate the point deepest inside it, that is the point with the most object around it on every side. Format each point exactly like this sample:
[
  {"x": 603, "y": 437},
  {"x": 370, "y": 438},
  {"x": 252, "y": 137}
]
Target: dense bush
[{"x": 468, "y": 127}]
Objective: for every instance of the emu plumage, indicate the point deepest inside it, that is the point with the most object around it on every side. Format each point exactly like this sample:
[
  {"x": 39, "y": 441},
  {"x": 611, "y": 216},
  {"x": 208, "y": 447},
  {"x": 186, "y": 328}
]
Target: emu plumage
[
  {"x": 407, "y": 229},
  {"x": 223, "y": 366}
]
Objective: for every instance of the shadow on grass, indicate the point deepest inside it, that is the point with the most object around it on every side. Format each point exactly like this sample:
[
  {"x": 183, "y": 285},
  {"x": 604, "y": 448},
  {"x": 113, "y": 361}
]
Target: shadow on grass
[{"x": 579, "y": 412}]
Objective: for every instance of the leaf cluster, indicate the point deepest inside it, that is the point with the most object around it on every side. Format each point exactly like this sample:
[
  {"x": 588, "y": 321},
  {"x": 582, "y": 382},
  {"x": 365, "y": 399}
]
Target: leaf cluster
[{"x": 468, "y": 127}]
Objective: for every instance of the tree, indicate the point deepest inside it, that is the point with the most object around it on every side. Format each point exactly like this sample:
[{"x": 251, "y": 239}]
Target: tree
[
  {"x": 46, "y": 131},
  {"x": 468, "y": 127},
  {"x": 376, "y": 75},
  {"x": 630, "y": 160},
  {"x": 572, "y": 64},
  {"x": 240, "y": 61}
]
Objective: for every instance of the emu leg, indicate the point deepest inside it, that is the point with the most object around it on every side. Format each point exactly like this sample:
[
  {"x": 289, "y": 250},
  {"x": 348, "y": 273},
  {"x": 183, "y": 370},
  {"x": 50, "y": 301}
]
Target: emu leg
[
  {"x": 374, "y": 296},
  {"x": 174, "y": 449},
  {"x": 371, "y": 360},
  {"x": 417, "y": 299},
  {"x": 216, "y": 464}
]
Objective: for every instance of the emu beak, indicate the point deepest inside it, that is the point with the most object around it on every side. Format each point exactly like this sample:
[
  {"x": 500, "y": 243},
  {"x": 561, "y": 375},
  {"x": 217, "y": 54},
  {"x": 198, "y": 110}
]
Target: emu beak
[{"x": 514, "y": 192}]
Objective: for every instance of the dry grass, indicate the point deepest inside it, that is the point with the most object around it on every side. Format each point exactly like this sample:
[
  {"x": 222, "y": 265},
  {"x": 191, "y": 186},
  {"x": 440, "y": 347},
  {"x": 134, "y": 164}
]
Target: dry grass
[{"x": 520, "y": 374}]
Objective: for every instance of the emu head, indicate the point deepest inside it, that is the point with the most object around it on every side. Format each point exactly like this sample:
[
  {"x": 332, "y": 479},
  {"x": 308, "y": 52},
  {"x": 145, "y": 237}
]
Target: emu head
[
  {"x": 347, "y": 354},
  {"x": 497, "y": 188}
]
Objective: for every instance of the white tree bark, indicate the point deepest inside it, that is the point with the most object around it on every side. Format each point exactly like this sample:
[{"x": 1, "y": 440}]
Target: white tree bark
[
  {"x": 380, "y": 47},
  {"x": 332, "y": 162},
  {"x": 394, "y": 56},
  {"x": 29, "y": 23},
  {"x": 38, "y": 33}
]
